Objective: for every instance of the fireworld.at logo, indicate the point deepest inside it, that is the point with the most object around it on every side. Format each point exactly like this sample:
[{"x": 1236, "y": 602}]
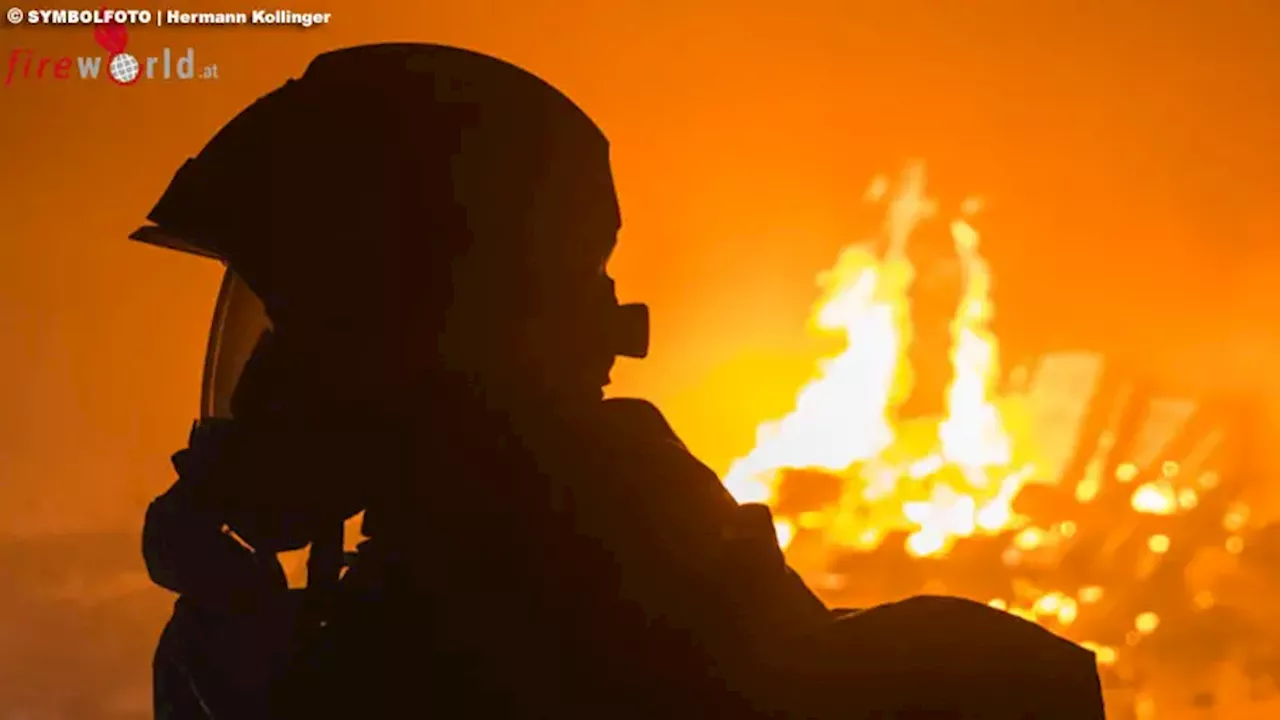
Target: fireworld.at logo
[{"x": 123, "y": 67}]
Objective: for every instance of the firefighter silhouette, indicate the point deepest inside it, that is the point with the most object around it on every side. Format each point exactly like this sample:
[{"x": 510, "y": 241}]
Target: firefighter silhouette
[{"x": 417, "y": 322}]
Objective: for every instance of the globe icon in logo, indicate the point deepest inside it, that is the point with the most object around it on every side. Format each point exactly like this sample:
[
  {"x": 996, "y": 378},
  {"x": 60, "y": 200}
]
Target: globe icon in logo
[{"x": 123, "y": 68}]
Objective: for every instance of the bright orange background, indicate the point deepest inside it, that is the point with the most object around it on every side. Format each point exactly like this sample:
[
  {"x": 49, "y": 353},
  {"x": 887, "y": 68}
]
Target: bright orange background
[{"x": 1128, "y": 158}]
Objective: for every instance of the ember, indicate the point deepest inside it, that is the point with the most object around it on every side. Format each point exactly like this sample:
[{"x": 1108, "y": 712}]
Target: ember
[{"x": 1063, "y": 491}]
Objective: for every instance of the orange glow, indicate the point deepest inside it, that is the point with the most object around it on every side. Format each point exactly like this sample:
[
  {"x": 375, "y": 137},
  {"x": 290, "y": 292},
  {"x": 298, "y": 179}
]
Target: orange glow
[{"x": 1127, "y": 162}]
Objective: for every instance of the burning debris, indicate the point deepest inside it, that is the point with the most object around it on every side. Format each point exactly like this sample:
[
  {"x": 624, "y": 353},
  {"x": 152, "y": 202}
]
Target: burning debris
[{"x": 1063, "y": 491}]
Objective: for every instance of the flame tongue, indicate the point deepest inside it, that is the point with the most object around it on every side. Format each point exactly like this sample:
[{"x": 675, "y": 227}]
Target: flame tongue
[
  {"x": 111, "y": 36},
  {"x": 936, "y": 479}
]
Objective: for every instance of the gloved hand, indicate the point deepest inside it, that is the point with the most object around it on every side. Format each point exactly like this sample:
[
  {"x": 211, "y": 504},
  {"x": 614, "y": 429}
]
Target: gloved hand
[{"x": 186, "y": 545}]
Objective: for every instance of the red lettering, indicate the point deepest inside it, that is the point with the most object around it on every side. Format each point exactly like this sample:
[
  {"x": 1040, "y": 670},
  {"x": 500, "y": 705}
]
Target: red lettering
[
  {"x": 18, "y": 57},
  {"x": 21, "y": 60}
]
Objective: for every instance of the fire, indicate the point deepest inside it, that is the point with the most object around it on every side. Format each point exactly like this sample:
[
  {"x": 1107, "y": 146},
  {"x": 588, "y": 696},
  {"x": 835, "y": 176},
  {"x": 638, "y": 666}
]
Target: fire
[
  {"x": 941, "y": 479},
  {"x": 847, "y": 470}
]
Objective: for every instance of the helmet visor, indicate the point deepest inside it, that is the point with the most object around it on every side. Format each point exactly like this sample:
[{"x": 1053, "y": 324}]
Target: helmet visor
[{"x": 239, "y": 320}]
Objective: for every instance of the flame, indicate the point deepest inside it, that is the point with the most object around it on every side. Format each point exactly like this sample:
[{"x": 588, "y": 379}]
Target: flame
[
  {"x": 935, "y": 481},
  {"x": 939, "y": 479},
  {"x": 111, "y": 36}
]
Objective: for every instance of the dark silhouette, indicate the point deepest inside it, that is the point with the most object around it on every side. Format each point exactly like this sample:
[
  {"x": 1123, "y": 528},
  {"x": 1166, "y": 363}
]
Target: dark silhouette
[{"x": 417, "y": 323}]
